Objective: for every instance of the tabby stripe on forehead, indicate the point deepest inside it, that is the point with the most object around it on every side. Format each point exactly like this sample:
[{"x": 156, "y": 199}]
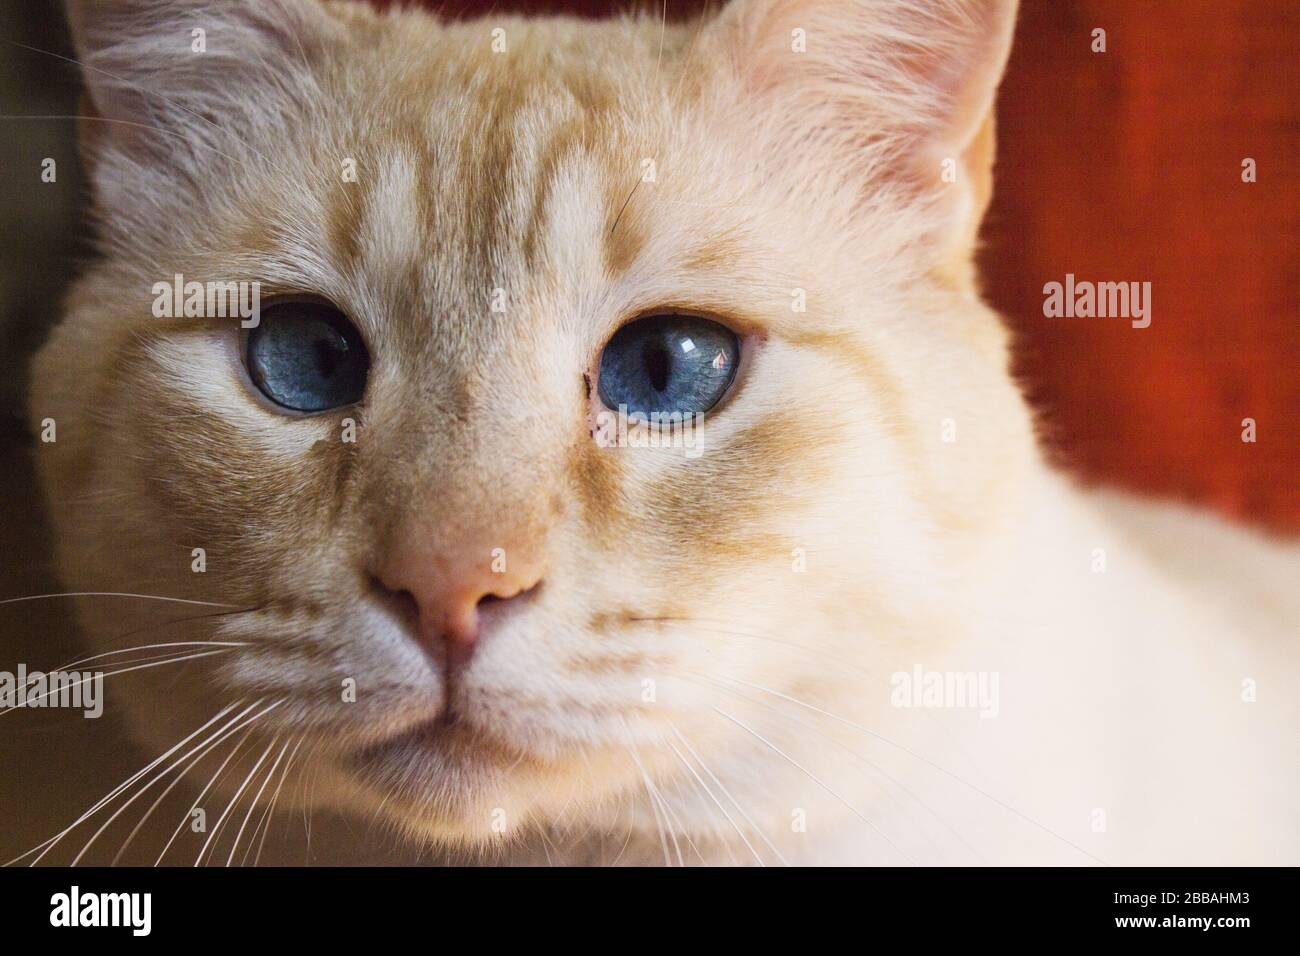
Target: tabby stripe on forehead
[
  {"x": 571, "y": 137},
  {"x": 487, "y": 160},
  {"x": 625, "y": 236},
  {"x": 345, "y": 217}
]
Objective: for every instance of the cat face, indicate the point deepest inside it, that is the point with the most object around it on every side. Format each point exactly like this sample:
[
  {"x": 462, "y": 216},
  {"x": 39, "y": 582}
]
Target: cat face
[{"x": 468, "y": 600}]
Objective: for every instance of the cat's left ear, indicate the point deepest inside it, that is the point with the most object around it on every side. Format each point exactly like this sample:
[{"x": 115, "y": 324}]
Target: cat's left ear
[{"x": 894, "y": 93}]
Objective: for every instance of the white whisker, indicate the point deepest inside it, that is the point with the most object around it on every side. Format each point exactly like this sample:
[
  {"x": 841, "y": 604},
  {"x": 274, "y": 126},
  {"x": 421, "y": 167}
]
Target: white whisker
[
  {"x": 727, "y": 816},
  {"x": 148, "y": 786},
  {"x": 252, "y": 805},
  {"x": 123, "y": 670},
  {"x": 143, "y": 89},
  {"x": 687, "y": 744},
  {"x": 119, "y": 594},
  {"x": 215, "y": 741},
  {"x": 151, "y": 647},
  {"x": 928, "y": 763},
  {"x": 852, "y": 809},
  {"x": 216, "y": 775},
  {"x": 50, "y": 843},
  {"x": 654, "y": 807},
  {"x": 857, "y": 757},
  {"x": 265, "y": 825},
  {"x": 233, "y": 800}
]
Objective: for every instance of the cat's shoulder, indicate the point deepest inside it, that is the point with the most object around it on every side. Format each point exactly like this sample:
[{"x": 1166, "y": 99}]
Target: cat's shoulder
[{"x": 1197, "y": 548}]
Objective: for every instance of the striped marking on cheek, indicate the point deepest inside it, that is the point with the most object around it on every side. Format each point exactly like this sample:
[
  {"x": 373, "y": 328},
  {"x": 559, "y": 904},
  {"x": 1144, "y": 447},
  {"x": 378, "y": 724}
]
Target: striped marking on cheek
[
  {"x": 722, "y": 512},
  {"x": 597, "y": 474},
  {"x": 885, "y": 388}
]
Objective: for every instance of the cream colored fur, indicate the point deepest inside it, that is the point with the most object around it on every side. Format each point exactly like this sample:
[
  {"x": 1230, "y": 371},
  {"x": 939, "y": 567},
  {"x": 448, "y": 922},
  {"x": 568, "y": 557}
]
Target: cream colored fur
[{"x": 762, "y": 594}]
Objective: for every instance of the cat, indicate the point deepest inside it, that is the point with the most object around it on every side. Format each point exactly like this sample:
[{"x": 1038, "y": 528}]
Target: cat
[{"x": 867, "y": 623}]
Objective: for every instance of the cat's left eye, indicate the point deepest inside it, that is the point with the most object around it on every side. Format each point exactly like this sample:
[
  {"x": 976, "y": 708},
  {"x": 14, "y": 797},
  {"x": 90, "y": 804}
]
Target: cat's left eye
[
  {"x": 668, "y": 364},
  {"x": 306, "y": 356}
]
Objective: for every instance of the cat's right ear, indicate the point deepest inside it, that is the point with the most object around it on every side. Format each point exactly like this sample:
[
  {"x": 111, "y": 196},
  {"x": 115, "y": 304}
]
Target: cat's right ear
[{"x": 172, "y": 85}]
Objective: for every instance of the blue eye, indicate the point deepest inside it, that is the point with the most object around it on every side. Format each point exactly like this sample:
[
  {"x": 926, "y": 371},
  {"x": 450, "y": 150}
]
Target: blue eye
[
  {"x": 668, "y": 363},
  {"x": 307, "y": 357}
]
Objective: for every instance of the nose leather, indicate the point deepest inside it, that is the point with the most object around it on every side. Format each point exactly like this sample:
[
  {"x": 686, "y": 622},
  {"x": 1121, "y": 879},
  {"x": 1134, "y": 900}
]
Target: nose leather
[{"x": 450, "y": 584}]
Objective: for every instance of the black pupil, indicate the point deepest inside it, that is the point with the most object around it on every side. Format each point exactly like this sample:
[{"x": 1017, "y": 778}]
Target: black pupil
[
  {"x": 658, "y": 364},
  {"x": 330, "y": 353}
]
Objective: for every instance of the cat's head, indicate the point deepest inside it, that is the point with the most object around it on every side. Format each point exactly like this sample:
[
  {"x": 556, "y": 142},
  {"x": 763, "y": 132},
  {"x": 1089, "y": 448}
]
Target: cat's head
[{"x": 469, "y": 595}]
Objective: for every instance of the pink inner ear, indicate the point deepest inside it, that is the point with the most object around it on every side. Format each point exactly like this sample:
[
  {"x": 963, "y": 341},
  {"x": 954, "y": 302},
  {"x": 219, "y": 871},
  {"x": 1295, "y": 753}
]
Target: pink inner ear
[
  {"x": 918, "y": 67},
  {"x": 969, "y": 75}
]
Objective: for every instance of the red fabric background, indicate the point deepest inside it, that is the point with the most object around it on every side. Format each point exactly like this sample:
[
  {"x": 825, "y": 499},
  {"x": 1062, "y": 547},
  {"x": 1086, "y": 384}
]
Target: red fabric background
[{"x": 1126, "y": 166}]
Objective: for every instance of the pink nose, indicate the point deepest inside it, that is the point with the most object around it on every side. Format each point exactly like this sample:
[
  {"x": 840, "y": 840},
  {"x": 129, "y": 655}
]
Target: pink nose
[{"x": 451, "y": 589}]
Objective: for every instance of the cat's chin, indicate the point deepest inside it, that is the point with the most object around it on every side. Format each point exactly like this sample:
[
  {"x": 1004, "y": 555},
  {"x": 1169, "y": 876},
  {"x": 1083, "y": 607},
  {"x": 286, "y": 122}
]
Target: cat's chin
[
  {"x": 445, "y": 783},
  {"x": 441, "y": 780}
]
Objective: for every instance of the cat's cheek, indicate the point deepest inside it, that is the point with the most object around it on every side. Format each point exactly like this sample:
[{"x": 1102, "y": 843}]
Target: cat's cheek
[{"x": 353, "y": 676}]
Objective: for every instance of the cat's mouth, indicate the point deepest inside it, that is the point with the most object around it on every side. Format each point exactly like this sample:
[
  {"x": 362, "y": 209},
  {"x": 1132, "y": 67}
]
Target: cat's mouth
[
  {"x": 441, "y": 776},
  {"x": 443, "y": 736},
  {"x": 444, "y": 743}
]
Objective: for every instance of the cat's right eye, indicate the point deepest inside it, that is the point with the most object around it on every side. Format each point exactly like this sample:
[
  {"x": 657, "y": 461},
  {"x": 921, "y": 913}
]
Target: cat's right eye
[{"x": 305, "y": 356}]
